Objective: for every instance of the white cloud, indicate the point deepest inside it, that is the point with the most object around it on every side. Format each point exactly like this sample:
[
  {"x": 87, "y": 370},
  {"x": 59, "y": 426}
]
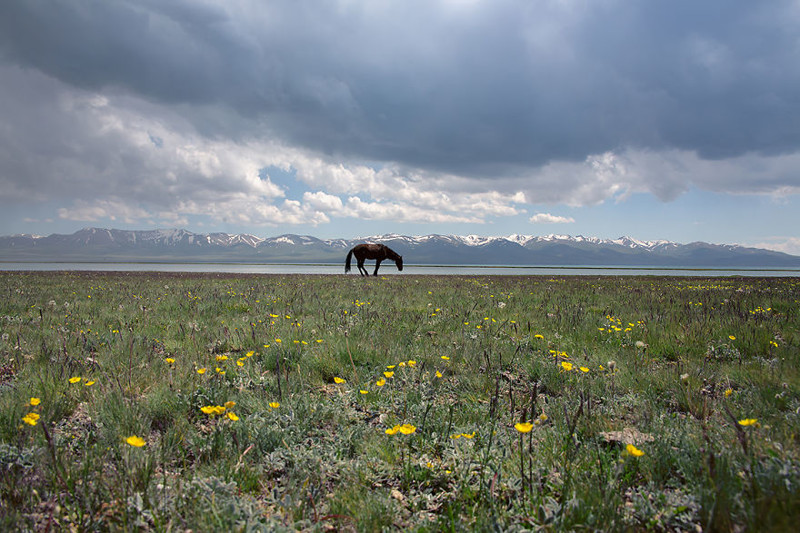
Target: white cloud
[
  {"x": 547, "y": 218},
  {"x": 665, "y": 174},
  {"x": 409, "y": 193},
  {"x": 119, "y": 158},
  {"x": 787, "y": 245},
  {"x": 324, "y": 202}
]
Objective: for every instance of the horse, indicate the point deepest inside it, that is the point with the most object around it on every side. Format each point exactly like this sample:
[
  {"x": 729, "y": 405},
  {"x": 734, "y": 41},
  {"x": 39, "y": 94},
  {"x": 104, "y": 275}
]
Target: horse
[{"x": 379, "y": 252}]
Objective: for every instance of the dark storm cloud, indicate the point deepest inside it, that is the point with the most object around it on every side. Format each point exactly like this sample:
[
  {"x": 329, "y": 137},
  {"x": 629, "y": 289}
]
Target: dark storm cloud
[
  {"x": 476, "y": 88},
  {"x": 432, "y": 108}
]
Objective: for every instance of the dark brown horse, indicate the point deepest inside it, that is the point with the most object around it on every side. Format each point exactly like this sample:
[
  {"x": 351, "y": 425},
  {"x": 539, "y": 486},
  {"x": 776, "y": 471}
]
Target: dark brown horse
[{"x": 379, "y": 252}]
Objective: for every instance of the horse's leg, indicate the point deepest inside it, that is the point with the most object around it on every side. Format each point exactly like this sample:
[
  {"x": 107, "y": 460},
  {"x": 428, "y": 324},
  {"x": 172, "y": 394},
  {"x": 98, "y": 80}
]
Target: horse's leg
[
  {"x": 377, "y": 264},
  {"x": 361, "y": 269}
]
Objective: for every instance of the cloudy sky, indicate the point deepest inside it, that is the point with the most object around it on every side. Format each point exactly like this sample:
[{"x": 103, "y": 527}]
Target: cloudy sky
[{"x": 671, "y": 120}]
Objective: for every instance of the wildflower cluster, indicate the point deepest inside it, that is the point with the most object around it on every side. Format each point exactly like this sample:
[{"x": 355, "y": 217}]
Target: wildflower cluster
[
  {"x": 222, "y": 360},
  {"x": 616, "y": 325},
  {"x": 219, "y": 410},
  {"x": 87, "y": 382},
  {"x": 32, "y": 417},
  {"x": 405, "y": 429},
  {"x": 389, "y": 373},
  {"x": 562, "y": 357}
]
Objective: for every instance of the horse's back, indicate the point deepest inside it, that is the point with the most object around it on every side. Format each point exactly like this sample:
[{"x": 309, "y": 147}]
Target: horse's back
[{"x": 368, "y": 250}]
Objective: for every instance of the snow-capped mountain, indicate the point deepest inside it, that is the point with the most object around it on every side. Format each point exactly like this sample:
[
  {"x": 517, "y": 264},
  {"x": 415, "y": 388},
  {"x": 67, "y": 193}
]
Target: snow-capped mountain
[
  {"x": 527, "y": 240},
  {"x": 98, "y": 244}
]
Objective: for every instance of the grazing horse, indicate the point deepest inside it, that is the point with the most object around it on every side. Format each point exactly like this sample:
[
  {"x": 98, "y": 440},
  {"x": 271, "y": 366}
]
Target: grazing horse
[{"x": 379, "y": 252}]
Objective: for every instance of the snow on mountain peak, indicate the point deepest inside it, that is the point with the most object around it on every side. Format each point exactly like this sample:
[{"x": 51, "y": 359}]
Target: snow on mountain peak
[{"x": 521, "y": 240}]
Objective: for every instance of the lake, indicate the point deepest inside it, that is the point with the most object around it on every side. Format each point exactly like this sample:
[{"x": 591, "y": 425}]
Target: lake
[{"x": 390, "y": 269}]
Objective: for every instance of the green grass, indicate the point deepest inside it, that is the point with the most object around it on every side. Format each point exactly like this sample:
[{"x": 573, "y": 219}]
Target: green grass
[{"x": 669, "y": 365}]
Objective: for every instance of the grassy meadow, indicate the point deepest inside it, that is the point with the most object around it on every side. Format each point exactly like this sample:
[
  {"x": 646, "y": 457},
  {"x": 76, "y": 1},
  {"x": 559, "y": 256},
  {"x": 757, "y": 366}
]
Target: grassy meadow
[{"x": 175, "y": 402}]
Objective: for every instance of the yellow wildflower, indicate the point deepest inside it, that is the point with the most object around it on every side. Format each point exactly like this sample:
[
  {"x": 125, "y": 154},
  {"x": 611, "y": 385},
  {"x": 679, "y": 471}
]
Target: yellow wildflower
[
  {"x": 339, "y": 380},
  {"x": 438, "y": 374},
  {"x": 523, "y": 427},
  {"x": 31, "y": 419},
  {"x": 232, "y": 416},
  {"x": 74, "y": 379},
  {"x": 748, "y": 422},
  {"x": 634, "y": 451},
  {"x": 412, "y": 363},
  {"x": 135, "y": 441},
  {"x": 728, "y": 392},
  {"x": 731, "y": 337},
  {"x": 566, "y": 365},
  {"x": 35, "y": 401},
  {"x": 169, "y": 360},
  {"x": 89, "y": 383},
  {"x": 230, "y": 404},
  {"x": 201, "y": 371},
  {"x": 388, "y": 374},
  {"x": 362, "y": 391},
  {"x": 392, "y": 430},
  {"x": 221, "y": 358},
  {"x": 381, "y": 382},
  {"x": 445, "y": 358},
  {"x": 583, "y": 369},
  {"x": 407, "y": 429},
  {"x": 274, "y": 405}
]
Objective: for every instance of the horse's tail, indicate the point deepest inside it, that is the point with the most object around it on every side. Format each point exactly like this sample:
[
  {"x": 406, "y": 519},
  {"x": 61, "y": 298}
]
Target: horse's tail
[{"x": 347, "y": 263}]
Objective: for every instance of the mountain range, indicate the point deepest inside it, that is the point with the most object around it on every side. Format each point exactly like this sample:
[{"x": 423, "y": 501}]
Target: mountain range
[{"x": 178, "y": 245}]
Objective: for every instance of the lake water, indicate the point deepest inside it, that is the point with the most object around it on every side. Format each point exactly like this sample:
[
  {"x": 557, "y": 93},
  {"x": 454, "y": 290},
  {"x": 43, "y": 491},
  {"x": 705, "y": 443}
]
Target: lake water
[{"x": 390, "y": 269}]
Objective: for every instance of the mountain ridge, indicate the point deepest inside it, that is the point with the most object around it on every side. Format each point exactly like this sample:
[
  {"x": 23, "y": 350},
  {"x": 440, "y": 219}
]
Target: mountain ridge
[{"x": 180, "y": 245}]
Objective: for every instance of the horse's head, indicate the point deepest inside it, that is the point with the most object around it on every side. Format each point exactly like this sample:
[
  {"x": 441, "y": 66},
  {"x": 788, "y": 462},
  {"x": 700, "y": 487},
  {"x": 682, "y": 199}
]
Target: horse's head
[{"x": 399, "y": 262}]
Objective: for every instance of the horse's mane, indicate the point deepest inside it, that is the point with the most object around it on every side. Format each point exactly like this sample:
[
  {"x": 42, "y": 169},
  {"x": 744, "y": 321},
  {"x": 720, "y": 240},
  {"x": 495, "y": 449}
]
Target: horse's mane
[{"x": 391, "y": 254}]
